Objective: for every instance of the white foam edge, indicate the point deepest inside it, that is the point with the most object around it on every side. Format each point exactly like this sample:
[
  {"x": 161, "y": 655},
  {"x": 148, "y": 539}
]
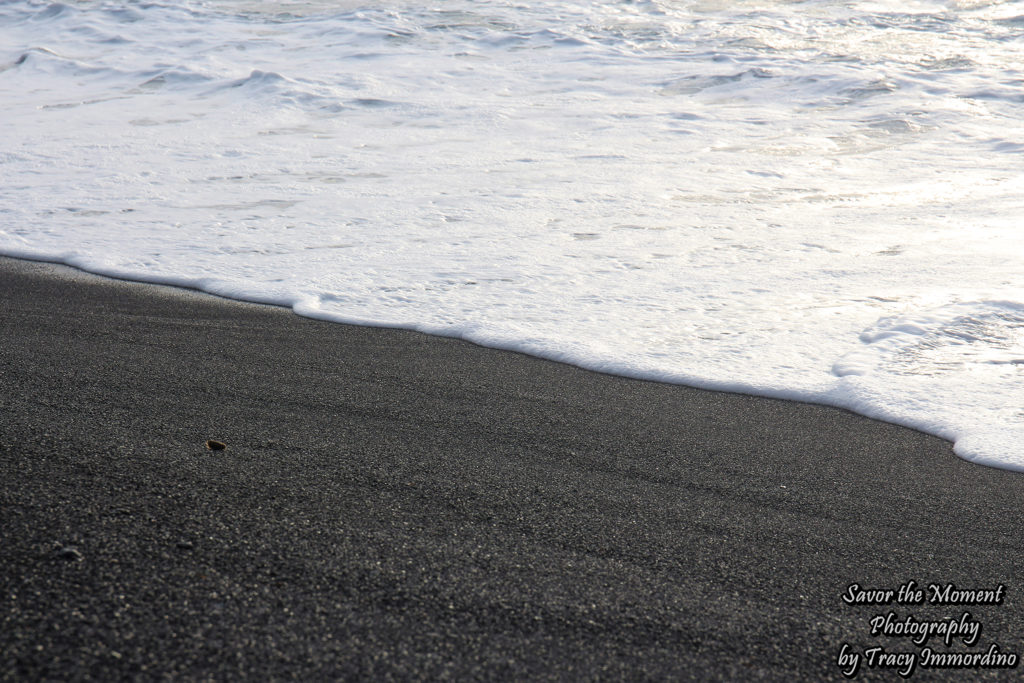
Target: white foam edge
[{"x": 970, "y": 447}]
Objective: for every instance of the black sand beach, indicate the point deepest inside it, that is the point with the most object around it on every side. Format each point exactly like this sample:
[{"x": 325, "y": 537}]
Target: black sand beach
[{"x": 394, "y": 505}]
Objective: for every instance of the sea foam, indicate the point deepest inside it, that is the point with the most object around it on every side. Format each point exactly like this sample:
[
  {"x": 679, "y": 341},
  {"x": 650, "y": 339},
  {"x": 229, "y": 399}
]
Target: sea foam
[{"x": 814, "y": 201}]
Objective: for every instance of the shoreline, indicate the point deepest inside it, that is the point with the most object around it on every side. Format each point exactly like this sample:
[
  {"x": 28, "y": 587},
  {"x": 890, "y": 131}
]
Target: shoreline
[
  {"x": 194, "y": 286},
  {"x": 397, "y": 504}
]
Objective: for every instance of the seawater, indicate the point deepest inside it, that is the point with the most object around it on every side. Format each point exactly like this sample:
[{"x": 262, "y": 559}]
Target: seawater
[{"x": 813, "y": 200}]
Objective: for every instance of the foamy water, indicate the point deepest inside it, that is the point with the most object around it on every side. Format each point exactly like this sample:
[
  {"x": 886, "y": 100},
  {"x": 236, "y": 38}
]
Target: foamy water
[{"x": 812, "y": 200}]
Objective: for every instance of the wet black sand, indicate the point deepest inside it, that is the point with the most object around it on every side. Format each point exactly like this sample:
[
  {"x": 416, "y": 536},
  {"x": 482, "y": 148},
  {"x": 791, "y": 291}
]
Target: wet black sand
[{"x": 397, "y": 505}]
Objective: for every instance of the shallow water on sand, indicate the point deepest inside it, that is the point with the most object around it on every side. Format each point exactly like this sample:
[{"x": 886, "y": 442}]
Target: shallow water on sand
[{"x": 811, "y": 200}]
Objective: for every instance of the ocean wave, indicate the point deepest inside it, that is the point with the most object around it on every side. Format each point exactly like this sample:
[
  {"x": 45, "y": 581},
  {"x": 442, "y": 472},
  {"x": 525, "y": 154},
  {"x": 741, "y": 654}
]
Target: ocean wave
[
  {"x": 39, "y": 61},
  {"x": 53, "y": 11},
  {"x": 815, "y": 201}
]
